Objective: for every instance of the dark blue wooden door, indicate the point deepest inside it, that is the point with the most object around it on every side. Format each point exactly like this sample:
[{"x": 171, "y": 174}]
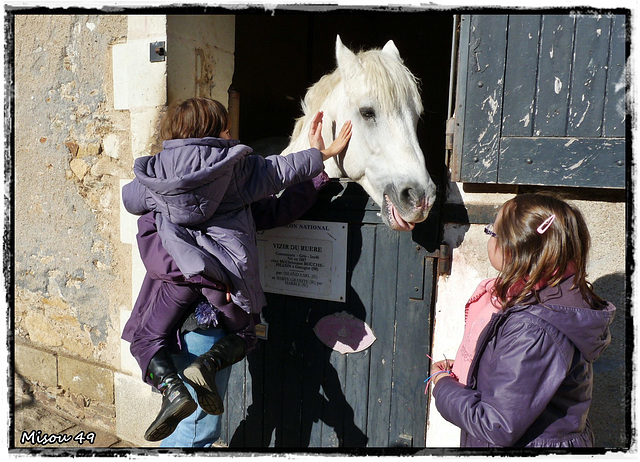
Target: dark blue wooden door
[
  {"x": 541, "y": 100},
  {"x": 295, "y": 392}
]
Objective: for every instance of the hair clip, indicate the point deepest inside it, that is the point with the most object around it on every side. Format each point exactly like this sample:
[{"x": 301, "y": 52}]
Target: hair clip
[{"x": 545, "y": 224}]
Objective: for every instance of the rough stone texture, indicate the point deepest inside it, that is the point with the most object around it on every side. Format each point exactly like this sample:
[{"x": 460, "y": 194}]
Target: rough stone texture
[
  {"x": 71, "y": 270},
  {"x": 38, "y": 366},
  {"x": 91, "y": 381},
  {"x": 75, "y": 389},
  {"x": 32, "y": 416}
]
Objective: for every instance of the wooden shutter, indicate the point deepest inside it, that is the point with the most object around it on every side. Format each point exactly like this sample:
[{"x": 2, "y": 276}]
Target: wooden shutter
[{"x": 540, "y": 100}]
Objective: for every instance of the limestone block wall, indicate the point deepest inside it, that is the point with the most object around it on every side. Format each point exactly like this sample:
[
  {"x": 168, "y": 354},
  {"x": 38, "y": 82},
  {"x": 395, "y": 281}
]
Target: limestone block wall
[
  {"x": 71, "y": 147},
  {"x": 87, "y": 103},
  {"x": 140, "y": 89}
]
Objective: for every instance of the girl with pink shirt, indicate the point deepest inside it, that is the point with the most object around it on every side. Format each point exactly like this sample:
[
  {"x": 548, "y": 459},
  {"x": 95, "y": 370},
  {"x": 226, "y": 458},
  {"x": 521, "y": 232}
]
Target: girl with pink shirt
[{"x": 523, "y": 374}]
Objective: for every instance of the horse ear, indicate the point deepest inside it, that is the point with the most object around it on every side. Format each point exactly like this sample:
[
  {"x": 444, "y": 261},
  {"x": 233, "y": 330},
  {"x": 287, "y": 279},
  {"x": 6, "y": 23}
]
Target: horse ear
[
  {"x": 391, "y": 50},
  {"x": 344, "y": 56}
]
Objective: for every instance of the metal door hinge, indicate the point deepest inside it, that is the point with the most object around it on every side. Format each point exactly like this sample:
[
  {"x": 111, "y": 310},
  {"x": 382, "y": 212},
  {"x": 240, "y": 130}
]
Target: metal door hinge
[
  {"x": 449, "y": 131},
  {"x": 443, "y": 254}
]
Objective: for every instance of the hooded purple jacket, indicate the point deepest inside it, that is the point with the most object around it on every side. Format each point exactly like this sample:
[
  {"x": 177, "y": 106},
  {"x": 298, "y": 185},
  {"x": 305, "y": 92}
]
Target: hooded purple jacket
[
  {"x": 531, "y": 379},
  {"x": 202, "y": 189},
  {"x": 271, "y": 212}
]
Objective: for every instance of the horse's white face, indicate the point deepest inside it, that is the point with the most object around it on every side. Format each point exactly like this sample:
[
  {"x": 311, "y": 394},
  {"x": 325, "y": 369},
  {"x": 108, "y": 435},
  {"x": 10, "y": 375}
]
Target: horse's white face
[{"x": 379, "y": 95}]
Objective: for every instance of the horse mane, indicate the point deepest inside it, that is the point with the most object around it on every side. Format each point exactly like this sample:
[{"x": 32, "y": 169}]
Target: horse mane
[
  {"x": 314, "y": 98},
  {"x": 388, "y": 78}
]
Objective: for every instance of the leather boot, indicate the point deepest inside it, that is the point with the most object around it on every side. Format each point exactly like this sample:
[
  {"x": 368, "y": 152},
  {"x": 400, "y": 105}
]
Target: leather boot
[
  {"x": 177, "y": 402},
  {"x": 201, "y": 374}
]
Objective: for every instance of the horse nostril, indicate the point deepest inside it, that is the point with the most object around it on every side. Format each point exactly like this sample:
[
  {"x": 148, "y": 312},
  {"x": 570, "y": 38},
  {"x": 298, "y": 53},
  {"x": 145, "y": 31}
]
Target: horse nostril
[{"x": 411, "y": 196}]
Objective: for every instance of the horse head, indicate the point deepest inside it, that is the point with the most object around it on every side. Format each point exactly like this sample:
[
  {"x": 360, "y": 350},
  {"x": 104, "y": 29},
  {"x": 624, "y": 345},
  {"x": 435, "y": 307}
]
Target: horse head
[{"x": 376, "y": 91}]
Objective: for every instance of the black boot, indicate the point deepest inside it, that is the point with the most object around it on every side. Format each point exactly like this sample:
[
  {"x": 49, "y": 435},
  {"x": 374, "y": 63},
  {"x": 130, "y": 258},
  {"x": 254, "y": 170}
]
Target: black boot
[
  {"x": 201, "y": 374},
  {"x": 177, "y": 402}
]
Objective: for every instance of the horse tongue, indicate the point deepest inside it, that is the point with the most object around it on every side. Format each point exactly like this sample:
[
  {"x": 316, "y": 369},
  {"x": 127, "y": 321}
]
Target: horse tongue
[{"x": 399, "y": 220}]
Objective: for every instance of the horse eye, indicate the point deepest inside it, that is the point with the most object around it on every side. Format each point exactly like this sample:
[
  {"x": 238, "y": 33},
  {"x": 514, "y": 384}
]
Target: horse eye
[{"x": 367, "y": 113}]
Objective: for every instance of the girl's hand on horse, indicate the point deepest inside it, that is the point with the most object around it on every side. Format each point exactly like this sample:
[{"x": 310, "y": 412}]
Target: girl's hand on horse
[
  {"x": 340, "y": 143},
  {"x": 315, "y": 132},
  {"x": 316, "y": 140}
]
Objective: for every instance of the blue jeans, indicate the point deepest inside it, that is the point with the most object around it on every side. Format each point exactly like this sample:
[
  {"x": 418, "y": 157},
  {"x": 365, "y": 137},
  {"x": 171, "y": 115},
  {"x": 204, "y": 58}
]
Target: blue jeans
[{"x": 199, "y": 430}]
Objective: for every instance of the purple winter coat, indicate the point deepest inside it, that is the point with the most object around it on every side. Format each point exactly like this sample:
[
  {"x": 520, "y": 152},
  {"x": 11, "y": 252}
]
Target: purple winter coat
[
  {"x": 271, "y": 212},
  {"x": 531, "y": 379},
  {"x": 202, "y": 189}
]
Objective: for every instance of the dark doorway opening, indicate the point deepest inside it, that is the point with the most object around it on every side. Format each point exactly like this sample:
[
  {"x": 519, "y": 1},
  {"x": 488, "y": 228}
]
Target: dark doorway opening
[
  {"x": 293, "y": 391},
  {"x": 278, "y": 56}
]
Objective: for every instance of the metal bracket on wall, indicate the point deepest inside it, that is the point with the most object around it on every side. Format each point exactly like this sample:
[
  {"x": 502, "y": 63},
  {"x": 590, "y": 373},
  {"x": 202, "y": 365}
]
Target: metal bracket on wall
[
  {"x": 157, "y": 52},
  {"x": 405, "y": 441}
]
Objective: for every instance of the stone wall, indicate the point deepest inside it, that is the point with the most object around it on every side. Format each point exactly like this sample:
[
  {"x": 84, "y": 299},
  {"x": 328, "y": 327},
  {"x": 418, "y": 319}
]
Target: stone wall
[
  {"x": 70, "y": 150},
  {"x": 87, "y": 103}
]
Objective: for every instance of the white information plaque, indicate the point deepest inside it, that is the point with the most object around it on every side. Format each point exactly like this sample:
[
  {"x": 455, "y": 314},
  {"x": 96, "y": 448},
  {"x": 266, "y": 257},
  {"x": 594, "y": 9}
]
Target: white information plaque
[{"x": 305, "y": 259}]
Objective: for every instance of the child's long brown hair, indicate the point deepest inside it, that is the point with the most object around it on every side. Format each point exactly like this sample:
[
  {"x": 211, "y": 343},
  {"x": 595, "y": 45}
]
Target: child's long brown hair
[
  {"x": 194, "y": 118},
  {"x": 530, "y": 257}
]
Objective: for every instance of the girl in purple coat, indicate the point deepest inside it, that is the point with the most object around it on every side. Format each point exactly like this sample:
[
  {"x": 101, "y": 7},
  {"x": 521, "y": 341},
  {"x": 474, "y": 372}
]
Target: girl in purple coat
[
  {"x": 201, "y": 187},
  {"x": 523, "y": 374}
]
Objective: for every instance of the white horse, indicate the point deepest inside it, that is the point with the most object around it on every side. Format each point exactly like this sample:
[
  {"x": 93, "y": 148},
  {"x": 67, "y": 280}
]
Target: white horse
[{"x": 376, "y": 91}]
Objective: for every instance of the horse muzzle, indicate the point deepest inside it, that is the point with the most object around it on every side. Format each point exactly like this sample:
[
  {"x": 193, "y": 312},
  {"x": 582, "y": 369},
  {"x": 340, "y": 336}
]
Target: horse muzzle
[{"x": 402, "y": 208}]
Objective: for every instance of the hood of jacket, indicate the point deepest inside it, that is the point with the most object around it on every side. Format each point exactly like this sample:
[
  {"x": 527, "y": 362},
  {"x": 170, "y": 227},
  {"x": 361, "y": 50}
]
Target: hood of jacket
[
  {"x": 566, "y": 310},
  {"x": 189, "y": 177}
]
